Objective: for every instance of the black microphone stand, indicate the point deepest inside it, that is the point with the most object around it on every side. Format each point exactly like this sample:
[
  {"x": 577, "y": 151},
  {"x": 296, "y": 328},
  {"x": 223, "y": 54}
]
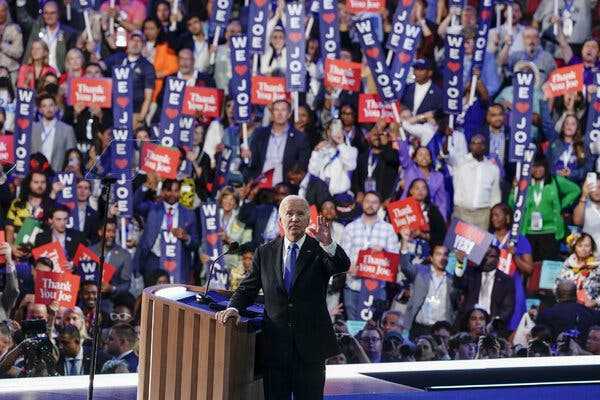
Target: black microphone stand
[
  {"x": 204, "y": 298},
  {"x": 106, "y": 185}
]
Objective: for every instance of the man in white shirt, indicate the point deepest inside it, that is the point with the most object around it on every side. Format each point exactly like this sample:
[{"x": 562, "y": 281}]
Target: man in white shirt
[
  {"x": 49, "y": 136},
  {"x": 476, "y": 182},
  {"x": 74, "y": 359}
]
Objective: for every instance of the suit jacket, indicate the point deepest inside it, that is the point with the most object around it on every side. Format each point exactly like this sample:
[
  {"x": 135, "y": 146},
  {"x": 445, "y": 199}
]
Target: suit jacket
[
  {"x": 66, "y": 36},
  {"x": 503, "y": 293},
  {"x": 420, "y": 278},
  {"x": 154, "y": 218},
  {"x": 64, "y": 139},
  {"x": 296, "y": 151},
  {"x": 432, "y": 101},
  {"x": 256, "y": 217},
  {"x": 72, "y": 239},
  {"x": 385, "y": 173},
  {"x": 62, "y": 365},
  {"x": 569, "y": 315},
  {"x": 299, "y": 318}
]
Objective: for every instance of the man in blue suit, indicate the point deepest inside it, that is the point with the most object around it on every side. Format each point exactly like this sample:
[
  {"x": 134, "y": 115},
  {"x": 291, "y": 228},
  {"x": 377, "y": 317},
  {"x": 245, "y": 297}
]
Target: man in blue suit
[
  {"x": 423, "y": 95},
  {"x": 120, "y": 343},
  {"x": 278, "y": 146},
  {"x": 163, "y": 216}
]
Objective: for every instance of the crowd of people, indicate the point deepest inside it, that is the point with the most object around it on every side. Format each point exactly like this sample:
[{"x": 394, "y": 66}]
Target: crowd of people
[{"x": 441, "y": 305}]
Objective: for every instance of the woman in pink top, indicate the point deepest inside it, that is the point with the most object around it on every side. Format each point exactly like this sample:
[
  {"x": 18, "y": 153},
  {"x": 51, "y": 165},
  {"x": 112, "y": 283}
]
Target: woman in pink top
[{"x": 130, "y": 14}]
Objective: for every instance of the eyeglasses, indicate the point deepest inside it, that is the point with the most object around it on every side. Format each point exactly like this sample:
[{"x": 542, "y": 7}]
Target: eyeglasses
[{"x": 119, "y": 316}]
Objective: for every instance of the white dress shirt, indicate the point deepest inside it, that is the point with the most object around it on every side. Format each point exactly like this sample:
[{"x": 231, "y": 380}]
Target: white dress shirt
[
  {"x": 48, "y": 135},
  {"x": 476, "y": 183},
  {"x": 163, "y": 226},
  {"x": 274, "y": 155},
  {"x": 75, "y": 368},
  {"x": 485, "y": 291},
  {"x": 420, "y": 93}
]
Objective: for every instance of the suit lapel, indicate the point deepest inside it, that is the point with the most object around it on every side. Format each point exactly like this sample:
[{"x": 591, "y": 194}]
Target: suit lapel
[
  {"x": 304, "y": 256},
  {"x": 277, "y": 255}
]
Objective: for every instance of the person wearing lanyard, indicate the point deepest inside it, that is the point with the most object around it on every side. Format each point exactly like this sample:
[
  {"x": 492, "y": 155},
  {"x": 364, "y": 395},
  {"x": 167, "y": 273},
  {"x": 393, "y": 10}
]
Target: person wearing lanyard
[
  {"x": 542, "y": 221},
  {"x": 376, "y": 168},
  {"x": 567, "y": 154},
  {"x": 433, "y": 294},
  {"x": 521, "y": 261}
]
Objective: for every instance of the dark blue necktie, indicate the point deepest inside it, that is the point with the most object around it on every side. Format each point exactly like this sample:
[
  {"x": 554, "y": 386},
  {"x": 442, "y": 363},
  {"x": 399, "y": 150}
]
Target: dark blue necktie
[{"x": 290, "y": 266}]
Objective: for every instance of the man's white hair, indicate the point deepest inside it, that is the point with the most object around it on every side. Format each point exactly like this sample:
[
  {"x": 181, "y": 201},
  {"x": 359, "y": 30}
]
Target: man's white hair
[{"x": 291, "y": 197}]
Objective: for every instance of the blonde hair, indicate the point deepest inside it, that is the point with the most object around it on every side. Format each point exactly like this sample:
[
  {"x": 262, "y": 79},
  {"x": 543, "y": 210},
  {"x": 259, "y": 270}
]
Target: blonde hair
[
  {"x": 76, "y": 310},
  {"x": 74, "y": 50},
  {"x": 44, "y": 46}
]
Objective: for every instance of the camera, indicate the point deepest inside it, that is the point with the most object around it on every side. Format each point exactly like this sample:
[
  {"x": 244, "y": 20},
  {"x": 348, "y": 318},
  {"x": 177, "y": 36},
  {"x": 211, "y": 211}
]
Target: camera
[{"x": 38, "y": 350}]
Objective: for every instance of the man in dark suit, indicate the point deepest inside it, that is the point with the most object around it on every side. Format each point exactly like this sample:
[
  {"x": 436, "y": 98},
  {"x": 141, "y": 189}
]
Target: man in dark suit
[
  {"x": 87, "y": 218},
  {"x": 278, "y": 146},
  {"x": 161, "y": 217},
  {"x": 120, "y": 343},
  {"x": 568, "y": 313},
  {"x": 423, "y": 95},
  {"x": 75, "y": 358},
  {"x": 293, "y": 273},
  {"x": 313, "y": 189},
  {"x": 486, "y": 286},
  {"x": 69, "y": 239}
]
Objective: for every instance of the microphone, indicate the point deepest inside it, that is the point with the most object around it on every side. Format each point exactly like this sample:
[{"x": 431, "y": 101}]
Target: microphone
[{"x": 204, "y": 298}]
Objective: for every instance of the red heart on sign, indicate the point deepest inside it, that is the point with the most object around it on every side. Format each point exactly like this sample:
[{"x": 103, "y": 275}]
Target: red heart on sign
[
  {"x": 122, "y": 101},
  {"x": 121, "y": 163},
  {"x": 373, "y": 52},
  {"x": 241, "y": 69},
  {"x": 295, "y": 36},
  {"x": 485, "y": 14},
  {"x": 371, "y": 284},
  {"x": 453, "y": 66},
  {"x": 328, "y": 17},
  {"x": 404, "y": 57},
  {"x": 23, "y": 123},
  {"x": 170, "y": 265},
  {"x": 406, "y": 3},
  {"x": 522, "y": 184},
  {"x": 171, "y": 112},
  {"x": 522, "y": 107},
  {"x": 260, "y": 3},
  {"x": 212, "y": 238},
  {"x": 596, "y": 105}
]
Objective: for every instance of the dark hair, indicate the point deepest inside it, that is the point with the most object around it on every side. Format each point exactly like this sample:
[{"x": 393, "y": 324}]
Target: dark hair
[
  {"x": 168, "y": 184},
  {"x": 441, "y": 325},
  {"x": 70, "y": 330},
  {"x": 370, "y": 326},
  {"x": 578, "y": 144},
  {"x": 541, "y": 161},
  {"x": 26, "y": 191},
  {"x": 44, "y": 261},
  {"x": 414, "y": 182},
  {"x": 506, "y": 210},
  {"x": 160, "y": 38},
  {"x": 153, "y": 277},
  {"x": 79, "y": 156},
  {"x": 583, "y": 236},
  {"x": 282, "y": 101},
  {"x": 246, "y": 248},
  {"x": 125, "y": 332},
  {"x": 60, "y": 207},
  {"x": 374, "y": 193},
  {"x": 93, "y": 64},
  {"x": 465, "y": 324},
  {"x": 124, "y": 299},
  {"x": 44, "y": 96}
]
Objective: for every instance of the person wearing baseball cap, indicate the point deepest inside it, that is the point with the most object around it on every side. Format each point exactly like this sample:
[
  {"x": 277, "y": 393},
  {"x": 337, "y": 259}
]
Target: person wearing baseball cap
[{"x": 423, "y": 95}]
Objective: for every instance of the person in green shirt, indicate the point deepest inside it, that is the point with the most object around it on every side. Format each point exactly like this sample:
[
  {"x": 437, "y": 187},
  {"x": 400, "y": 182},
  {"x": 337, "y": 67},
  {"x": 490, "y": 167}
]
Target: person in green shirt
[{"x": 542, "y": 221}]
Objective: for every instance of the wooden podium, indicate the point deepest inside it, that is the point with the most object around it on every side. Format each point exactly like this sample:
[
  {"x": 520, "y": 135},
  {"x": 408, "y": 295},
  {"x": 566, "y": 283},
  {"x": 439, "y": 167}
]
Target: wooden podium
[{"x": 186, "y": 355}]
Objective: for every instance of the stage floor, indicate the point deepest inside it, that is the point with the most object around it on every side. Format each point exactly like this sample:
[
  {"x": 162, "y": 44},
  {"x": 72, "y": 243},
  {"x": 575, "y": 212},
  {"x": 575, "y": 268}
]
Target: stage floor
[{"x": 440, "y": 380}]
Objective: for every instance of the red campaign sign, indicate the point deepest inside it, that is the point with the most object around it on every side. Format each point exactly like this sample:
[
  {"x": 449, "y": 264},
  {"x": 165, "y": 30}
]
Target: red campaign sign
[
  {"x": 406, "y": 212},
  {"x": 364, "y": 6},
  {"x": 91, "y": 92},
  {"x": 564, "y": 80},
  {"x": 378, "y": 265},
  {"x": 508, "y": 269},
  {"x": 267, "y": 89},
  {"x": 53, "y": 251},
  {"x": 470, "y": 239},
  {"x": 160, "y": 159},
  {"x": 84, "y": 253},
  {"x": 371, "y": 109},
  {"x": 203, "y": 100},
  {"x": 7, "y": 152},
  {"x": 344, "y": 75},
  {"x": 54, "y": 286}
]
